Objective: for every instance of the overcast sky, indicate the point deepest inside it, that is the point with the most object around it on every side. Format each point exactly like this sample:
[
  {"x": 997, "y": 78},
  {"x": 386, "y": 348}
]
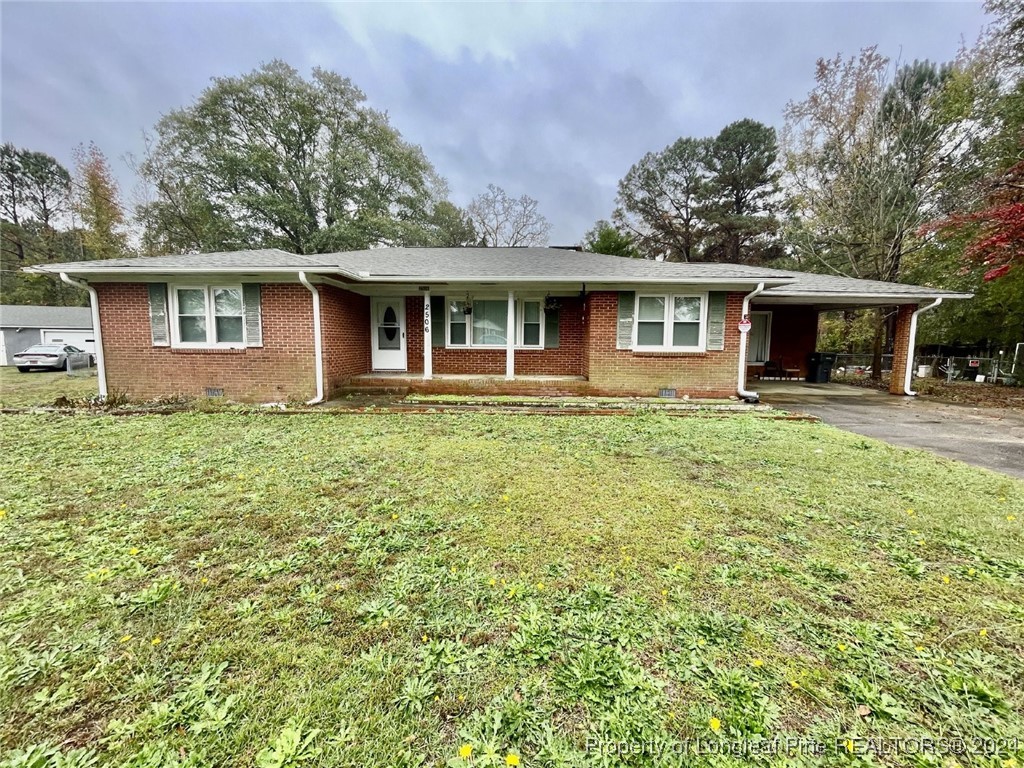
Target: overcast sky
[{"x": 552, "y": 100}]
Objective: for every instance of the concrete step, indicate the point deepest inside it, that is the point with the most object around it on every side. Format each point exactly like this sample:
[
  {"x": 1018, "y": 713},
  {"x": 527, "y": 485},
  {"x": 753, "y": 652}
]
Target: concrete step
[{"x": 372, "y": 389}]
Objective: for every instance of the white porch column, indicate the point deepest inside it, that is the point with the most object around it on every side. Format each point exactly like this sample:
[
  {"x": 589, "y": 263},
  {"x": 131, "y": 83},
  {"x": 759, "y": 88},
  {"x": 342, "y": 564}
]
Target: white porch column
[
  {"x": 428, "y": 363},
  {"x": 510, "y": 339}
]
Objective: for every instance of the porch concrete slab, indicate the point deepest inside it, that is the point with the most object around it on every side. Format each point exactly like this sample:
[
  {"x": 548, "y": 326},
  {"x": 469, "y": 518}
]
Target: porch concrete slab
[{"x": 992, "y": 438}]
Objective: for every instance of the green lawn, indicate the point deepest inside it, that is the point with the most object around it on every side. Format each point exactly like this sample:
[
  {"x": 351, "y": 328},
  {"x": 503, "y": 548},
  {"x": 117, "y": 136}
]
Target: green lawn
[
  {"x": 389, "y": 590},
  {"x": 43, "y": 387}
]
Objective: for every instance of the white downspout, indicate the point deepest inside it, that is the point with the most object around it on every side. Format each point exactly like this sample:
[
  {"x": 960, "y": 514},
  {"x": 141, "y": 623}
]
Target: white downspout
[
  {"x": 910, "y": 346},
  {"x": 742, "y": 365},
  {"x": 318, "y": 345},
  {"x": 94, "y": 303}
]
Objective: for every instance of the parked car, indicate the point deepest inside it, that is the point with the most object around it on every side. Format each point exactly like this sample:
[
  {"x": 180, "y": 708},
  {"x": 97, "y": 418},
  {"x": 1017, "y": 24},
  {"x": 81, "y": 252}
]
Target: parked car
[{"x": 54, "y": 357}]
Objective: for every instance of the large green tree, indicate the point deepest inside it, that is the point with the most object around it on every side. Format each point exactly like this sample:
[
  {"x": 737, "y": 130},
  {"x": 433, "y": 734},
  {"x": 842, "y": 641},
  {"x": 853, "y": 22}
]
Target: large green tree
[
  {"x": 604, "y": 237},
  {"x": 275, "y": 160},
  {"x": 742, "y": 193},
  {"x": 449, "y": 226},
  {"x": 34, "y": 200},
  {"x": 660, "y": 199},
  {"x": 869, "y": 159}
]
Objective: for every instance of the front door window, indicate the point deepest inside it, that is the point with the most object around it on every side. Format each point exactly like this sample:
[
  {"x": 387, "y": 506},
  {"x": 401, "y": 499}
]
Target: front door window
[{"x": 389, "y": 332}]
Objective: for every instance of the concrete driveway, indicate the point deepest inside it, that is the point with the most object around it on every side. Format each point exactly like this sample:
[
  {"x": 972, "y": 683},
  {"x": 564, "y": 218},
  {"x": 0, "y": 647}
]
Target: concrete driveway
[{"x": 986, "y": 437}]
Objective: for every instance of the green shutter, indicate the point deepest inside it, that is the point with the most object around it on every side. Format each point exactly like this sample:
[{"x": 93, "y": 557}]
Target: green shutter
[
  {"x": 624, "y": 331},
  {"x": 551, "y": 318},
  {"x": 253, "y": 319},
  {"x": 158, "y": 315},
  {"x": 438, "y": 316},
  {"x": 716, "y": 320}
]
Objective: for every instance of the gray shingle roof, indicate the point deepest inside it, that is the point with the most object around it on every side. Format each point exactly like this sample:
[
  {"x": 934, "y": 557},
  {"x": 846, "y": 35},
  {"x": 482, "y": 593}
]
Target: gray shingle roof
[
  {"x": 500, "y": 264},
  {"x": 264, "y": 258},
  {"x": 26, "y": 316},
  {"x": 812, "y": 284},
  {"x": 428, "y": 263},
  {"x": 525, "y": 263}
]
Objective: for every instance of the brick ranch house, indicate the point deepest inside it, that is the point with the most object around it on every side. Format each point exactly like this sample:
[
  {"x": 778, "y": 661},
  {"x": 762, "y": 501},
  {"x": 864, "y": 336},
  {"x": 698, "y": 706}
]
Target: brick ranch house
[{"x": 271, "y": 326}]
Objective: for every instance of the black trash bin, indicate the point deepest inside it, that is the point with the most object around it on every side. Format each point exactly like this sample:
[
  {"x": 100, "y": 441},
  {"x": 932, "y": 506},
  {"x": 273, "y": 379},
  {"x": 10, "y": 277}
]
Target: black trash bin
[{"x": 819, "y": 367}]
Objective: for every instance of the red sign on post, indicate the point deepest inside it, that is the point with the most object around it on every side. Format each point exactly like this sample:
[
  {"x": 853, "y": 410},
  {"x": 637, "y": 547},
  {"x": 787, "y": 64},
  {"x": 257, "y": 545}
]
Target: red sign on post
[{"x": 744, "y": 325}]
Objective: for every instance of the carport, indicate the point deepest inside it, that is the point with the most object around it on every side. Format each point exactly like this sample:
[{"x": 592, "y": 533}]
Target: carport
[{"x": 784, "y": 323}]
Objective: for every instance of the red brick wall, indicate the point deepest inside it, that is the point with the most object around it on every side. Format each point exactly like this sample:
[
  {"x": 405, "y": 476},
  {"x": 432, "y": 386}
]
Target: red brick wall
[
  {"x": 794, "y": 334},
  {"x": 902, "y": 355},
  {"x": 566, "y": 360},
  {"x": 282, "y": 369},
  {"x": 623, "y": 371},
  {"x": 345, "y": 324}
]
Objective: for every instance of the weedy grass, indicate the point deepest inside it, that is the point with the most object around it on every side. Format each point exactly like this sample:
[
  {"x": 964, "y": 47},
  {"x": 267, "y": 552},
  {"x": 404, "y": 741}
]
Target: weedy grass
[
  {"x": 388, "y": 590},
  {"x": 18, "y": 390}
]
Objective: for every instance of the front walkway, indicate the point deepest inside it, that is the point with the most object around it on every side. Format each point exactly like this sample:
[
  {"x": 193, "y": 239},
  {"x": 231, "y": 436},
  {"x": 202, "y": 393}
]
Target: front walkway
[{"x": 986, "y": 437}]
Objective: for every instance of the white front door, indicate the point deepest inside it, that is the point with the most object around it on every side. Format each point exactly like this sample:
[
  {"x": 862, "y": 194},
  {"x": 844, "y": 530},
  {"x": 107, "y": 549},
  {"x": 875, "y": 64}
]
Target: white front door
[{"x": 388, "y": 334}]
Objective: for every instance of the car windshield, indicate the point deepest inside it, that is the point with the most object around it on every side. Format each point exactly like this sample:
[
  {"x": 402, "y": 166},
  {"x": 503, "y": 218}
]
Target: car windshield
[{"x": 43, "y": 348}]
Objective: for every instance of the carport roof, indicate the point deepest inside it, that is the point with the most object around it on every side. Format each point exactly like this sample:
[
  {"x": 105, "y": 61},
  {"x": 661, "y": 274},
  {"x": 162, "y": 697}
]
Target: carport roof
[
  {"x": 510, "y": 265},
  {"x": 832, "y": 292}
]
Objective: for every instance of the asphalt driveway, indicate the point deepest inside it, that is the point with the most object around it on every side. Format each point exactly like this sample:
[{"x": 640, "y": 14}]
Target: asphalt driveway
[{"x": 986, "y": 437}]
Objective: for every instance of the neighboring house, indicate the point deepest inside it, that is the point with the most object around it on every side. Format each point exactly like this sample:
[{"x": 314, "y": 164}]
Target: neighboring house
[
  {"x": 23, "y": 326},
  {"x": 265, "y": 325}
]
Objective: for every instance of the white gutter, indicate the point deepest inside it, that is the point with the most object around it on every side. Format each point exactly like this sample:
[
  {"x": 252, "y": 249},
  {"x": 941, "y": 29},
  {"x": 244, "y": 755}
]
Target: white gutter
[
  {"x": 782, "y": 293},
  {"x": 741, "y": 373},
  {"x": 910, "y": 346},
  {"x": 94, "y": 303},
  {"x": 318, "y": 346}
]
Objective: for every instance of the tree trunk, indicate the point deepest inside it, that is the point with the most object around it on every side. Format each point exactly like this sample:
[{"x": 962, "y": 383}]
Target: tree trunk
[
  {"x": 876, "y": 351},
  {"x": 848, "y": 317}
]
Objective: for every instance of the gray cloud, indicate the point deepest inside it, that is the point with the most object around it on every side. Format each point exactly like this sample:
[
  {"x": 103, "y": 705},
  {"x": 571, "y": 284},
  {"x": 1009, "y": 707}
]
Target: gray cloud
[{"x": 551, "y": 100}]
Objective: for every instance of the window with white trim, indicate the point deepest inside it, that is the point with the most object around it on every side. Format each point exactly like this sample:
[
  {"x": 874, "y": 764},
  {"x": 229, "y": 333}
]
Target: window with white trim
[
  {"x": 486, "y": 324},
  {"x": 670, "y": 322},
  {"x": 207, "y": 316}
]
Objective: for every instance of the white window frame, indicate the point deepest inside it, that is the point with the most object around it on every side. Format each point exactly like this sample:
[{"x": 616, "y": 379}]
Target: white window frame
[
  {"x": 211, "y": 318},
  {"x": 768, "y": 339},
  {"x": 520, "y": 315},
  {"x": 666, "y": 346}
]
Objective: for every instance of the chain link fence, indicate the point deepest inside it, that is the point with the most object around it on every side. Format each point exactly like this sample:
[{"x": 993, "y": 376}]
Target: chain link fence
[
  {"x": 83, "y": 365},
  {"x": 994, "y": 370}
]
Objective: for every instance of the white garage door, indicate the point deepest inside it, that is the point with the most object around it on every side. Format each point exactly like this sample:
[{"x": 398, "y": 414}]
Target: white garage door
[{"x": 82, "y": 339}]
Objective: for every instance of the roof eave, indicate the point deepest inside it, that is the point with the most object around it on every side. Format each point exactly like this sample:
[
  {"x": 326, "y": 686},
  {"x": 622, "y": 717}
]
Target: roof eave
[
  {"x": 56, "y": 269},
  {"x": 920, "y": 296}
]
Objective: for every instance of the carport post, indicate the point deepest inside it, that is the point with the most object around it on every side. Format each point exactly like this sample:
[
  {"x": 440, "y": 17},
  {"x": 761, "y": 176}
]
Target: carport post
[
  {"x": 902, "y": 355},
  {"x": 510, "y": 338}
]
